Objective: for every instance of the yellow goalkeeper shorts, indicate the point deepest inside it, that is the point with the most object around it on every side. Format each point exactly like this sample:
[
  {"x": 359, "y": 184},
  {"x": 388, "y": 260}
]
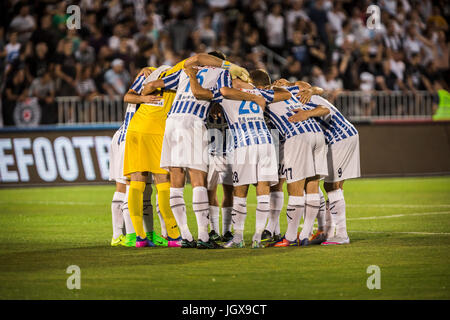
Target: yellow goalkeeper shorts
[{"x": 142, "y": 153}]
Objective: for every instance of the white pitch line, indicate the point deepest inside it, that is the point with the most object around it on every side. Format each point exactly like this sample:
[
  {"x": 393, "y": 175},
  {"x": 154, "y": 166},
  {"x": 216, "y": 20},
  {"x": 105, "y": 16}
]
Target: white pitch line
[
  {"x": 393, "y": 205},
  {"x": 405, "y": 232},
  {"x": 400, "y": 215}
]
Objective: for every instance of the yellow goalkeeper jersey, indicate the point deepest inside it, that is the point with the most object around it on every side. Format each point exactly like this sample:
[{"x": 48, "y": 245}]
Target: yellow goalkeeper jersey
[{"x": 151, "y": 118}]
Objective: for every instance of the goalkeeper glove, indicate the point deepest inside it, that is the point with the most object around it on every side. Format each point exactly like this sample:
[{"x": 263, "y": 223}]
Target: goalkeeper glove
[{"x": 236, "y": 71}]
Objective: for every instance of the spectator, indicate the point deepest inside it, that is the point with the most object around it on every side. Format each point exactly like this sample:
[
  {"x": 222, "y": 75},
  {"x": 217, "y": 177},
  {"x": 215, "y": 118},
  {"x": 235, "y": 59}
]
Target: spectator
[
  {"x": 117, "y": 79},
  {"x": 275, "y": 29},
  {"x": 12, "y": 48},
  {"x": 43, "y": 88},
  {"x": 45, "y": 34},
  {"x": 85, "y": 54},
  {"x": 67, "y": 69},
  {"x": 39, "y": 62},
  {"x": 23, "y": 24},
  {"x": 14, "y": 92}
]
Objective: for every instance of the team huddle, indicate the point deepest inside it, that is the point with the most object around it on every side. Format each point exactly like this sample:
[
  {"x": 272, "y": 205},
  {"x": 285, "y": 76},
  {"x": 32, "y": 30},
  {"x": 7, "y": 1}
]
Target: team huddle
[{"x": 213, "y": 120}]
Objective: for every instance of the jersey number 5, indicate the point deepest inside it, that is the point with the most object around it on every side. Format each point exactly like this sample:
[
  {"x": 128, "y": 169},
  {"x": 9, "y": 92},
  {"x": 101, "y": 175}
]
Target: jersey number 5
[{"x": 199, "y": 77}]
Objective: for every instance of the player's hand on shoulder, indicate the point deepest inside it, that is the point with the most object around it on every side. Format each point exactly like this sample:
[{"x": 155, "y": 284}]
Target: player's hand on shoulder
[
  {"x": 281, "y": 83},
  {"x": 146, "y": 71},
  {"x": 190, "y": 71},
  {"x": 300, "y": 115},
  {"x": 305, "y": 95},
  {"x": 239, "y": 72}
]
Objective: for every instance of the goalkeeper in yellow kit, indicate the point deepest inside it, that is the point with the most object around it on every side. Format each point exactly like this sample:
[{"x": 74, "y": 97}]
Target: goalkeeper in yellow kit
[{"x": 143, "y": 146}]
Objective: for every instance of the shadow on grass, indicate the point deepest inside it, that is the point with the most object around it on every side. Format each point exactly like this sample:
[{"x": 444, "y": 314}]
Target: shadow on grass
[{"x": 97, "y": 256}]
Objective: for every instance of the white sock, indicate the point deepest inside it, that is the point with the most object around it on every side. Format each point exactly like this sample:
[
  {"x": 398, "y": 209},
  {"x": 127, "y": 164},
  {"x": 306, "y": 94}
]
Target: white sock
[
  {"x": 116, "y": 210},
  {"x": 329, "y": 223},
  {"x": 179, "y": 211},
  {"x": 294, "y": 212},
  {"x": 238, "y": 215},
  {"x": 214, "y": 218},
  {"x": 276, "y": 204},
  {"x": 321, "y": 214},
  {"x": 161, "y": 220},
  {"x": 148, "y": 208},
  {"x": 126, "y": 214},
  {"x": 226, "y": 219},
  {"x": 337, "y": 210},
  {"x": 200, "y": 204},
  {"x": 262, "y": 211},
  {"x": 311, "y": 211}
]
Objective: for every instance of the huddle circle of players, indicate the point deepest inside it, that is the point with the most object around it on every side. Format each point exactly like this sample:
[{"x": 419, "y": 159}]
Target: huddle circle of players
[{"x": 223, "y": 125}]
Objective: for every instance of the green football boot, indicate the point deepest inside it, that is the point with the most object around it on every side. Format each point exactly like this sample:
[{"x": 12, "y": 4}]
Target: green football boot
[
  {"x": 211, "y": 244},
  {"x": 130, "y": 240},
  {"x": 214, "y": 236},
  {"x": 157, "y": 239},
  {"x": 231, "y": 244},
  {"x": 119, "y": 241}
]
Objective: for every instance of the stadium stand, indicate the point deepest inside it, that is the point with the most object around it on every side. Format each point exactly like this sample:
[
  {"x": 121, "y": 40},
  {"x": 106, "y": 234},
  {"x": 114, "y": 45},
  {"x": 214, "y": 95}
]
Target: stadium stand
[{"x": 79, "y": 75}]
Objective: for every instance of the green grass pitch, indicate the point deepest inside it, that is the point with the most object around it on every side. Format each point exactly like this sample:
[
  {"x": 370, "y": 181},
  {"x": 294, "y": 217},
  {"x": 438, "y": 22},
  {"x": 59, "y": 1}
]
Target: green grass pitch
[{"x": 401, "y": 225}]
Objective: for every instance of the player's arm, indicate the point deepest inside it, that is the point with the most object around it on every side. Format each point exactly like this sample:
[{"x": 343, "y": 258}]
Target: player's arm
[
  {"x": 133, "y": 97},
  {"x": 198, "y": 91},
  {"x": 234, "y": 94},
  {"x": 168, "y": 82},
  {"x": 280, "y": 94},
  {"x": 302, "y": 115},
  {"x": 204, "y": 59}
]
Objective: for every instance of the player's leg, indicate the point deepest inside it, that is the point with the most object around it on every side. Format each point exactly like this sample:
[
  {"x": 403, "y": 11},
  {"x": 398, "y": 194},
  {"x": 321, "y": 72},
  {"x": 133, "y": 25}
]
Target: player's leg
[
  {"x": 117, "y": 216},
  {"x": 200, "y": 205},
  {"x": 136, "y": 207},
  {"x": 239, "y": 214},
  {"x": 227, "y": 209},
  {"x": 163, "y": 187},
  {"x": 147, "y": 212},
  {"x": 130, "y": 237},
  {"x": 214, "y": 209},
  {"x": 276, "y": 205},
  {"x": 178, "y": 206},
  {"x": 337, "y": 212},
  {"x": 262, "y": 211},
  {"x": 294, "y": 212},
  {"x": 321, "y": 234},
  {"x": 312, "y": 207},
  {"x": 161, "y": 220}
]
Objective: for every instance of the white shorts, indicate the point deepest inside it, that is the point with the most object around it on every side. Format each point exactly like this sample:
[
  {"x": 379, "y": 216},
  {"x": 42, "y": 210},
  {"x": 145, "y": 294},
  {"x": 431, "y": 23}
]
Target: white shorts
[
  {"x": 305, "y": 155},
  {"x": 116, "y": 156},
  {"x": 343, "y": 160},
  {"x": 219, "y": 172},
  {"x": 185, "y": 143},
  {"x": 254, "y": 163}
]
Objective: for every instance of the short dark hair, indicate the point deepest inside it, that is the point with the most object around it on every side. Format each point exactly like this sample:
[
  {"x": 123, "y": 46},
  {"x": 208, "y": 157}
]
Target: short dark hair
[
  {"x": 218, "y": 54},
  {"x": 260, "y": 78}
]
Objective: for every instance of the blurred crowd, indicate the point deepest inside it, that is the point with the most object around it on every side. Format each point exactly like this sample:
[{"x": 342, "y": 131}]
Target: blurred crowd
[{"x": 327, "y": 43}]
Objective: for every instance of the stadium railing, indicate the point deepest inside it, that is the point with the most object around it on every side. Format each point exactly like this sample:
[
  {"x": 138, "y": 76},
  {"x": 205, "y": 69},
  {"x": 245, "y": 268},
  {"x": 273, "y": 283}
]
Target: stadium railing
[{"x": 357, "y": 106}]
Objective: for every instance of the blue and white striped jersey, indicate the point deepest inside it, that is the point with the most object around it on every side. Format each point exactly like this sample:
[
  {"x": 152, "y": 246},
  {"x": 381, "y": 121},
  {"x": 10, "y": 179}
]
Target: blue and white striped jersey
[
  {"x": 279, "y": 113},
  {"x": 334, "y": 125},
  {"x": 137, "y": 87},
  {"x": 185, "y": 102},
  {"x": 246, "y": 119}
]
